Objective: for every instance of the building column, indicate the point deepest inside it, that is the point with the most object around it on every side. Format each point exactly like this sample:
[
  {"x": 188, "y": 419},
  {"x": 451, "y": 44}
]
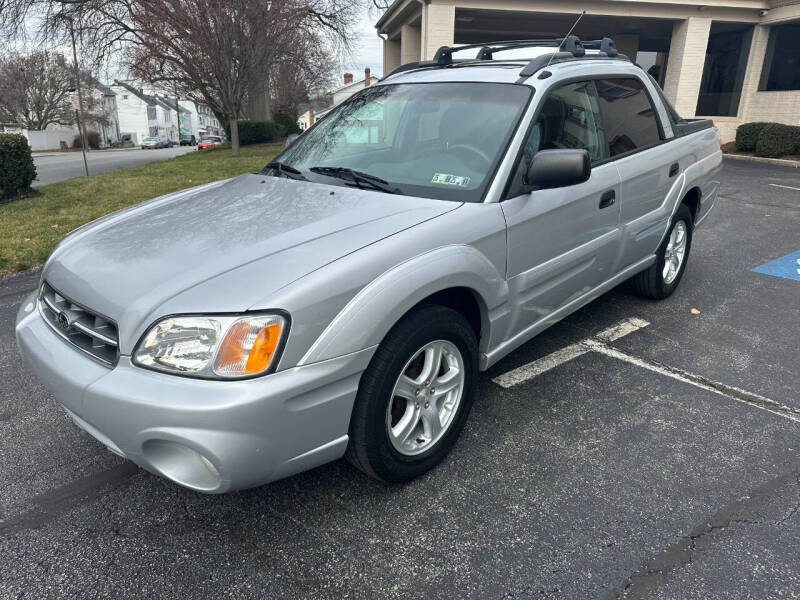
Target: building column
[
  {"x": 410, "y": 40},
  {"x": 438, "y": 28},
  {"x": 627, "y": 44},
  {"x": 687, "y": 58},
  {"x": 755, "y": 64},
  {"x": 391, "y": 56}
]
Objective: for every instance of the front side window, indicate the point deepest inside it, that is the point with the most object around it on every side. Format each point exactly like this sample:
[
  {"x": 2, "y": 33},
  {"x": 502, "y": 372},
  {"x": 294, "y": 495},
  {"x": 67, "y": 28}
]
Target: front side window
[
  {"x": 628, "y": 114},
  {"x": 782, "y": 62},
  {"x": 435, "y": 140},
  {"x": 569, "y": 119}
]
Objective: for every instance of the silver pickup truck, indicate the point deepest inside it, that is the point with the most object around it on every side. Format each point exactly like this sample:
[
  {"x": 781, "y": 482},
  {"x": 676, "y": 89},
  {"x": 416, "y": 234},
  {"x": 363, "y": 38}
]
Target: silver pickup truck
[{"x": 342, "y": 301}]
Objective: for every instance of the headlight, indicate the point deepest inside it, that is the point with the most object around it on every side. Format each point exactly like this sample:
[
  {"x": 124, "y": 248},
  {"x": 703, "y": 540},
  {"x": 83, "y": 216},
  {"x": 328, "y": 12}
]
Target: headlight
[{"x": 213, "y": 347}]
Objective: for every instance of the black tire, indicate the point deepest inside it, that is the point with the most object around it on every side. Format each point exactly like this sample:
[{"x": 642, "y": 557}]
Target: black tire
[
  {"x": 370, "y": 449},
  {"x": 650, "y": 283}
]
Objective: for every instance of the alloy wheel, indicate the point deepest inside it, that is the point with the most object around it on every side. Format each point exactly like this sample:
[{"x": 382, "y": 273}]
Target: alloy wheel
[
  {"x": 425, "y": 398},
  {"x": 675, "y": 252}
]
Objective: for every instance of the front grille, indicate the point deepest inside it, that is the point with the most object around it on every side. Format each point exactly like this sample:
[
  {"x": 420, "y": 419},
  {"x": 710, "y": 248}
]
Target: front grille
[{"x": 89, "y": 332}]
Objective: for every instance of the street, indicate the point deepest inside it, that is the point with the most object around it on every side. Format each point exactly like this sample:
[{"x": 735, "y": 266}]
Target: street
[
  {"x": 58, "y": 166},
  {"x": 658, "y": 458}
]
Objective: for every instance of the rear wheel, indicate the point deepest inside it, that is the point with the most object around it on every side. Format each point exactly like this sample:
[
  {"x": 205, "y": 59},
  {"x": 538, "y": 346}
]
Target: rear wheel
[
  {"x": 415, "y": 396},
  {"x": 664, "y": 276}
]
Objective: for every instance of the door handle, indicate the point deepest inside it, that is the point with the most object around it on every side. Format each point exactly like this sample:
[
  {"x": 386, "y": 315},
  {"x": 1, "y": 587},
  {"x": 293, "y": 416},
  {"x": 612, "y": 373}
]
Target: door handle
[
  {"x": 608, "y": 199},
  {"x": 674, "y": 169}
]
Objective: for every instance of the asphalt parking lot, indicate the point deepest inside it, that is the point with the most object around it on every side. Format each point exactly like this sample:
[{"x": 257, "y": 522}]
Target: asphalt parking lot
[{"x": 660, "y": 464}]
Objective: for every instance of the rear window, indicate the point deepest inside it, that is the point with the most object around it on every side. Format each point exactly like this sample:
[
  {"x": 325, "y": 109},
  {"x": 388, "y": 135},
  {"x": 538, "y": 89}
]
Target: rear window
[{"x": 629, "y": 116}]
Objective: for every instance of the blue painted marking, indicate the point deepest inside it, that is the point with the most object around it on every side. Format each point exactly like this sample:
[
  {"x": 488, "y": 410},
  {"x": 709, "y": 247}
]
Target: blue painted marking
[{"x": 786, "y": 266}]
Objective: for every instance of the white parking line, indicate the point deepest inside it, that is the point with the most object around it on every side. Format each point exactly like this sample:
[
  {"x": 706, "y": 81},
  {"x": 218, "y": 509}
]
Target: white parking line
[
  {"x": 600, "y": 344},
  {"x": 786, "y": 187},
  {"x": 537, "y": 367},
  {"x": 722, "y": 389},
  {"x": 551, "y": 361}
]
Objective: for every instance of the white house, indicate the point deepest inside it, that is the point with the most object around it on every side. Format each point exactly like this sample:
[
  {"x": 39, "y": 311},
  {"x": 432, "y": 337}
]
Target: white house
[
  {"x": 207, "y": 123},
  {"x": 144, "y": 114},
  {"x": 350, "y": 87},
  {"x": 104, "y": 100}
]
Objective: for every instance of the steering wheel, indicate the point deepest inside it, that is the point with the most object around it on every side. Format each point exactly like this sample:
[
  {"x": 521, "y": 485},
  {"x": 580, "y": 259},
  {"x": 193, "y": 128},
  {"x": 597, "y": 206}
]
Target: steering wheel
[{"x": 476, "y": 151}]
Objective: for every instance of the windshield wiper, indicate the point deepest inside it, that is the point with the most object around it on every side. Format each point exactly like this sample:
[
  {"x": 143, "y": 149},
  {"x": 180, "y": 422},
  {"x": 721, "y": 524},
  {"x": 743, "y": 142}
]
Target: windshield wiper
[
  {"x": 285, "y": 170},
  {"x": 359, "y": 178}
]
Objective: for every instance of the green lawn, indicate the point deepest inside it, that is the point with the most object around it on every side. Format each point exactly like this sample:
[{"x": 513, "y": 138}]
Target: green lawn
[{"x": 30, "y": 227}]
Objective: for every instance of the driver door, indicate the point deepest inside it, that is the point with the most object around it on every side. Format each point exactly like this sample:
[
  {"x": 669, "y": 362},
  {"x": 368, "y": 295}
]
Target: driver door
[{"x": 563, "y": 242}]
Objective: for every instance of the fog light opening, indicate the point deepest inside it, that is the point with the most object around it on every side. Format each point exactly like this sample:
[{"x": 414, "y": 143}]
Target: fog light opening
[{"x": 182, "y": 464}]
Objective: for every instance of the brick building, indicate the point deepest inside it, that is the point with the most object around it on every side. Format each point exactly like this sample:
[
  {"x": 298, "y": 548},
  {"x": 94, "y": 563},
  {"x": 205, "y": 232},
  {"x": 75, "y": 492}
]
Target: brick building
[{"x": 737, "y": 61}]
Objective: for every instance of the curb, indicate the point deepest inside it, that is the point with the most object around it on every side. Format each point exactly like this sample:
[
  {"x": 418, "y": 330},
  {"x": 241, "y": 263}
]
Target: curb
[{"x": 770, "y": 161}]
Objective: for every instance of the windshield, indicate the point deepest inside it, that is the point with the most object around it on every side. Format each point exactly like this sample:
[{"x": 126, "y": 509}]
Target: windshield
[
  {"x": 150, "y": 139},
  {"x": 435, "y": 140}
]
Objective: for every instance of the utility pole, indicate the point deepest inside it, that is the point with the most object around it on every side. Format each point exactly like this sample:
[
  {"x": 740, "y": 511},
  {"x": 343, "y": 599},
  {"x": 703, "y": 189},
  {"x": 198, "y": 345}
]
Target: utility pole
[
  {"x": 178, "y": 108},
  {"x": 81, "y": 119}
]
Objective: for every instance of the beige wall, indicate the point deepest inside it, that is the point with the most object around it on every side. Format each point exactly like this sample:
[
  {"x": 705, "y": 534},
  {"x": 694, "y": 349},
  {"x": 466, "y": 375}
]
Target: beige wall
[
  {"x": 687, "y": 55},
  {"x": 391, "y": 56},
  {"x": 438, "y": 28},
  {"x": 782, "y": 107},
  {"x": 410, "y": 44}
]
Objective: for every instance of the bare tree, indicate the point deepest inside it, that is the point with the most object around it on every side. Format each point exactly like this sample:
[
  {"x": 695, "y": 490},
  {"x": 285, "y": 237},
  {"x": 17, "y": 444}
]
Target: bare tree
[
  {"x": 209, "y": 49},
  {"x": 35, "y": 89},
  {"x": 213, "y": 51},
  {"x": 305, "y": 66}
]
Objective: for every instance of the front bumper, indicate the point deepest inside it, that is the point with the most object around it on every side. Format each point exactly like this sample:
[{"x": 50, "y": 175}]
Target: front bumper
[{"x": 211, "y": 436}]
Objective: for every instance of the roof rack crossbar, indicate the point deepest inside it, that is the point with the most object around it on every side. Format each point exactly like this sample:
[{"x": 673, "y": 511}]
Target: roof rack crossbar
[{"x": 568, "y": 48}]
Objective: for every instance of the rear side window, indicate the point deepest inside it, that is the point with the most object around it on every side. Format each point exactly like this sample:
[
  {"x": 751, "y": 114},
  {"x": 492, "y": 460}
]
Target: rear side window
[
  {"x": 569, "y": 119},
  {"x": 629, "y": 116}
]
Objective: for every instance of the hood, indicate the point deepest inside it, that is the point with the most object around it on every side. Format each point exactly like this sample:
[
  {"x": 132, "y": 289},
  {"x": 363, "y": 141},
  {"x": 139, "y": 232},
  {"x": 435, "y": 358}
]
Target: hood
[{"x": 127, "y": 265}]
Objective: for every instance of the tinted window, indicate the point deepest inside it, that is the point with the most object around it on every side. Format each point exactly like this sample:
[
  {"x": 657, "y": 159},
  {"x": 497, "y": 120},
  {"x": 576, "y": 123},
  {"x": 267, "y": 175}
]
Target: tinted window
[
  {"x": 569, "y": 119},
  {"x": 629, "y": 117},
  {"x": 782, "y": 61}
]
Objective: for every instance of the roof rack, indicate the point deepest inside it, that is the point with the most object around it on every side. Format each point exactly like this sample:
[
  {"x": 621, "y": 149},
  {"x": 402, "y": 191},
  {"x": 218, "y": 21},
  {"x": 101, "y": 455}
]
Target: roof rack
[{"x": 568, "y": 48}]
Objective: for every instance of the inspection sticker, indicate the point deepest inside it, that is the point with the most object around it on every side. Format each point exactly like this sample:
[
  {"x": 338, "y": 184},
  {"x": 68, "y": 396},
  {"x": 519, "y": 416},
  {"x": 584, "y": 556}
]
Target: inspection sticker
[
  {"x": 787, "y": 266},
  {"x": 447, "y": 179}
]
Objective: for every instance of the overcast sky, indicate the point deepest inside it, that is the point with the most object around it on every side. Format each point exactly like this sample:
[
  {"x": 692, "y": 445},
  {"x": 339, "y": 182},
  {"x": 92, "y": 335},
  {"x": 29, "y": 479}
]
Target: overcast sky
[{"x": 368, "y": 49}]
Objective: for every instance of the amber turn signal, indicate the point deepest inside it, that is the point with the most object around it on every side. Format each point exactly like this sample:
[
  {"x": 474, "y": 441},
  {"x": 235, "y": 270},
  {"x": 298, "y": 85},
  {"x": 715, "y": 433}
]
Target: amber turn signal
[
  {"x": 249, "y": 346},
  {"x": 263, "y": 349}
]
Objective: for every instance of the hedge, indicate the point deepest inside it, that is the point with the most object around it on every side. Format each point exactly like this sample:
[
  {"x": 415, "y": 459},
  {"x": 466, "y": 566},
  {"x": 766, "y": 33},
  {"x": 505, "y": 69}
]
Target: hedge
[
  {"x": 747, "y": 136},
  {"x": 17, "y": 171},
  {"x": 286, "y": 124},
  {"x": 778, "y": 140},
  {"x": 92, "y": 138},
  {"x": 254, "y": 132}
]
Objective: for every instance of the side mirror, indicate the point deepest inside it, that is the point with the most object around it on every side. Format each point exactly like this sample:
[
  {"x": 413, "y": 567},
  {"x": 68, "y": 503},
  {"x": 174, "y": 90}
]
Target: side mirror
[
  {"x": 290, "y": 139},
  {"x": 558, "y": 168}
]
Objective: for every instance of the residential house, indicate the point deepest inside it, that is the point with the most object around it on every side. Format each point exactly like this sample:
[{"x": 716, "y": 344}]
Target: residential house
[
  {"x": 735, "y": 61},
  {"x": 187, "y": 115},
  {"x": 144, "y": 114},
  {"x": 339, "y": 95},
  {"x": 103, "y": 102},
  {"x": 207, "y": 123}
]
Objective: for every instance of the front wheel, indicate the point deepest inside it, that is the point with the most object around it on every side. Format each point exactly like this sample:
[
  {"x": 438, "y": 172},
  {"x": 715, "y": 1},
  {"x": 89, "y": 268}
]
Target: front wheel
[
  {"x": 662, "y": 278},
  {"x": 415, "y": 396}
]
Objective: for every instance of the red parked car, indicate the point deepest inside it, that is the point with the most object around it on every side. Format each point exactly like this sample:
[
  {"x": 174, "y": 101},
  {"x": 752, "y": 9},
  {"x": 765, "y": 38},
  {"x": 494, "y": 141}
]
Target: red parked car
[{"x": 209, "y": 141}]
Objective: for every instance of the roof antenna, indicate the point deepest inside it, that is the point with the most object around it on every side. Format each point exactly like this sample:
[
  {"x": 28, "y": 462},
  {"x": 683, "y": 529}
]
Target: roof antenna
[{"x": 553, "y": 55}]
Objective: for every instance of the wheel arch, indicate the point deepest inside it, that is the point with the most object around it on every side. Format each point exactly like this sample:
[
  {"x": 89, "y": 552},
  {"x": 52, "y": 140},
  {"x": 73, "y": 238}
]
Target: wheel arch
[
  {"x": 465, "y": 301},
  {"x": 692, "y": 200},
  {"x": 459, "y": 277}
]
